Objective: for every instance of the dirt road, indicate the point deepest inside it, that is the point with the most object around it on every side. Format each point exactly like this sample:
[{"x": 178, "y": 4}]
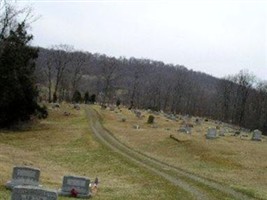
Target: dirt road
[{"x": 200, "y": 188}]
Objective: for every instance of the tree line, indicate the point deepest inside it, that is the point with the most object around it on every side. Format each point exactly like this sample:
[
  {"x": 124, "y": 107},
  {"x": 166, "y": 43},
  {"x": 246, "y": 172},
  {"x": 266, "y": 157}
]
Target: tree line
[{"x": 148, "y": 84}]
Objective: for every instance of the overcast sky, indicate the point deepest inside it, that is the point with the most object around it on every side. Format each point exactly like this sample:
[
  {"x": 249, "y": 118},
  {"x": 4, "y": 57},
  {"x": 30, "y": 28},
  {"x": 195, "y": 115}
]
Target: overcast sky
[{"x": 218, "y": 37}]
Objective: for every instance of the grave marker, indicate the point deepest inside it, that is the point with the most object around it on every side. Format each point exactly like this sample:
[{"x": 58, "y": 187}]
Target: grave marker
[
  {"x": 211, "y": 134},
  {"x": 24, "y": 176},
  {"x": 256, "y": 135},
  {"x": 75, "y": 186},
  {"x": 32, "y": 193}
]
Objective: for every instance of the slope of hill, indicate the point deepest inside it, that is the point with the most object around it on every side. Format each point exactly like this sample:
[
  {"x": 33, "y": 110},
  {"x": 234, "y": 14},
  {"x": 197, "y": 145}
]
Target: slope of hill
[
  {"x": 63, "y": 145},
  {"x": 236, "y": 161},
  {"x": 144, "y": 83}
]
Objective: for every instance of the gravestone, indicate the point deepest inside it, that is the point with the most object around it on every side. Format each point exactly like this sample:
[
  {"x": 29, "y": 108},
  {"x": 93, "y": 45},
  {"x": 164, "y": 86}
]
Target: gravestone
[
  {"x": 32, "y": 193},
  {"x": 138, "y": 114},
  {"x": 75, "y": 186},
  {"x": 123, "y": 119},
  {"x": 112, "y": 108},
  {"x": 24, "y": 176},
  {"x": 76, "y": 106},
  {"x": 222, "y": 132},
  {"x": 171, "y": 117},
  {"x": 136, "y": 126},
  {"x": 185, "y": 129},
  {"x": 211, "y": 134},
  {"x": 256, "y": 135},
  {"x": 197, "y": 121}
]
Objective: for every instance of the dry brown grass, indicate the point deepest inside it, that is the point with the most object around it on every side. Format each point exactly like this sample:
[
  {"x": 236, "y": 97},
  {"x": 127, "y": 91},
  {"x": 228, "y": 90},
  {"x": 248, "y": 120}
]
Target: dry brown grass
[
  {"x": 238, "y": 162},
  {"x": 62, "y": 145}
]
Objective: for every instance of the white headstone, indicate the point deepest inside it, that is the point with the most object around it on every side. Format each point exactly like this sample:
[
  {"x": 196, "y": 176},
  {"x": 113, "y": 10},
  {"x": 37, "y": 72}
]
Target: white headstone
[
  {"x": 256, "y": 135},
  {"x": 211, "y": 134},
  {"x": 32, "y": 193},
  {"x": 24, "y": 176},
  {"x": 77, "y": 184}
]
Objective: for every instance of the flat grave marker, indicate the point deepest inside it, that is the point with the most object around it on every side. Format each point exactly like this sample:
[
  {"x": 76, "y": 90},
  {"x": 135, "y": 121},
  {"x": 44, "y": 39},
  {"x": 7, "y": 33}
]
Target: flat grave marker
[{"x": 32, "y": 193}]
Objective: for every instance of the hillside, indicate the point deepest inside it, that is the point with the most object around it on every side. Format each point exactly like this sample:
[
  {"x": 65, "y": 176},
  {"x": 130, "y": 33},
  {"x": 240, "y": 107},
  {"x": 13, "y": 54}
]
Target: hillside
[
  {"x": 236, "y": 161},
  {"x": 64, "y": 145},
  {"x": 144, "y": 83}
]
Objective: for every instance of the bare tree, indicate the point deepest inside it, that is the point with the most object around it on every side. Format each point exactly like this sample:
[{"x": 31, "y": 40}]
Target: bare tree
[
  {"x": 60, "y": 59},
  {"x": 9, "y": 15},
  {"x": 109, "y": 74},
  {"x": 244, "y": 81},
  {"x": 77, "y": 65}
]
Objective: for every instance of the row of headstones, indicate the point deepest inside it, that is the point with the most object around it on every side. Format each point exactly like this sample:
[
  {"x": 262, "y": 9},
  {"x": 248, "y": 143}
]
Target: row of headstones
[
  {"x": 212, "y": 134},
  {"x": 25, "y": 185}
]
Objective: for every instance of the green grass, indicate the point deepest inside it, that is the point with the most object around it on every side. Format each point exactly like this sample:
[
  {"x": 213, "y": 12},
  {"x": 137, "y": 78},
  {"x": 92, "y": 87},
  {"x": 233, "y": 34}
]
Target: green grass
[{"x": 63, "y": 145}]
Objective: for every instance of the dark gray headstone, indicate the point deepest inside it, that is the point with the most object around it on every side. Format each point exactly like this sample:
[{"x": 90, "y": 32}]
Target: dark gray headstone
[
  {"x": 24, "y": 176},
  {"x": 185, "y": 129},
  {"x": 32, "y": 193},
  {"x": 256, "y": 135},
  {"x": 76, "y": 106},
  {"x": 77, "y": 183},
  {"x": 211, "y": 134}
]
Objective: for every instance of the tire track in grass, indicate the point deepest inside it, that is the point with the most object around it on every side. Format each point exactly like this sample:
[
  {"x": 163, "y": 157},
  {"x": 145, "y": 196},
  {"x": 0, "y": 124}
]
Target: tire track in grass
[{"x": 174, "y": 175}]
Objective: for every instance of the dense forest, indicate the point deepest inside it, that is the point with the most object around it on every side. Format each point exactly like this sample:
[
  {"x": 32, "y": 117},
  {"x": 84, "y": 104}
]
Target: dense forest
[{"x": 62, "y": 73}]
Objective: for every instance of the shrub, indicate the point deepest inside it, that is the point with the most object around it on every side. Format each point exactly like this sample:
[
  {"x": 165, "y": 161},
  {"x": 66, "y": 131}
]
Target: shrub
[
  {"x": 150, "y": 119},
  {"x": 118, "y": 102},
  {"x": 41, "y": 112}
]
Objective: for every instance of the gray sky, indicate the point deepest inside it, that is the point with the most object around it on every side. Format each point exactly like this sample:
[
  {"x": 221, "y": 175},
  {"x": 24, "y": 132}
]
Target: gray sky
[{"x": 218, "y": 37}]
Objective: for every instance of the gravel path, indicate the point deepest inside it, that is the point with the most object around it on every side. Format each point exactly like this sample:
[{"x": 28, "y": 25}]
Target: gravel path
[{"x": 174, "y": 175}]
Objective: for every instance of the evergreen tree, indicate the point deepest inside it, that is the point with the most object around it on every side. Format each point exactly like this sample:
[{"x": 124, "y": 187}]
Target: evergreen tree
[
  {"x": 18, "y": 93},
  {"x": 86, "y": 97},
  {"x": 77, "y": 97},
  {"x": 93, "y": 98}
]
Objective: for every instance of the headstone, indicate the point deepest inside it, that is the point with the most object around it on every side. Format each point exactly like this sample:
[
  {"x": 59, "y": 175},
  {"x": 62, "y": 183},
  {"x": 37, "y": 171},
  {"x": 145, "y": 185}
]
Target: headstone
[
  {"x": 172, "y": 117},
  {"x": 197, "y": 121},
  {"x": 237, "y": 133},
  {"x": 76, "y": 106},
  {"x": 185, "y": 129},
  {"x": 75, "y": 186},
  {"x": 138, "y": 114},
  {"x": 32, "y": 193},
  {"x": 112, "y": 108},
  {"x": 211, "y": 134},
  {"x": 256, "y": 135},
  {"x": 136, "y": 126},
  {"x": 55, "y": 105},
  {"x": 222, "y": 132},
  {"x": 24, "y": 176}
]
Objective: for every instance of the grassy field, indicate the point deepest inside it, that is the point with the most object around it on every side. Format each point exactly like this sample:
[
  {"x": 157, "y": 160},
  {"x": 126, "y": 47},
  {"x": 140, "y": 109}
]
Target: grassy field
[
  {"x": 64, "y": 145},
  {"x": 238, "y": 162}
]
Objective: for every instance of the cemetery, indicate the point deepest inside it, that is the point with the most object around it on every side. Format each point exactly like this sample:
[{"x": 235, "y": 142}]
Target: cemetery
[
  {"x": 211, "y": 142},
  {"x": 187, "y": 142}
]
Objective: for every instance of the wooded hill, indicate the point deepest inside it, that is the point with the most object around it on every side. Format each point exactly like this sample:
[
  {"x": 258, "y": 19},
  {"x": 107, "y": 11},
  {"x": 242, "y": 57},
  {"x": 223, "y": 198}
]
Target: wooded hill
[{"x": 149, "y": 84}]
